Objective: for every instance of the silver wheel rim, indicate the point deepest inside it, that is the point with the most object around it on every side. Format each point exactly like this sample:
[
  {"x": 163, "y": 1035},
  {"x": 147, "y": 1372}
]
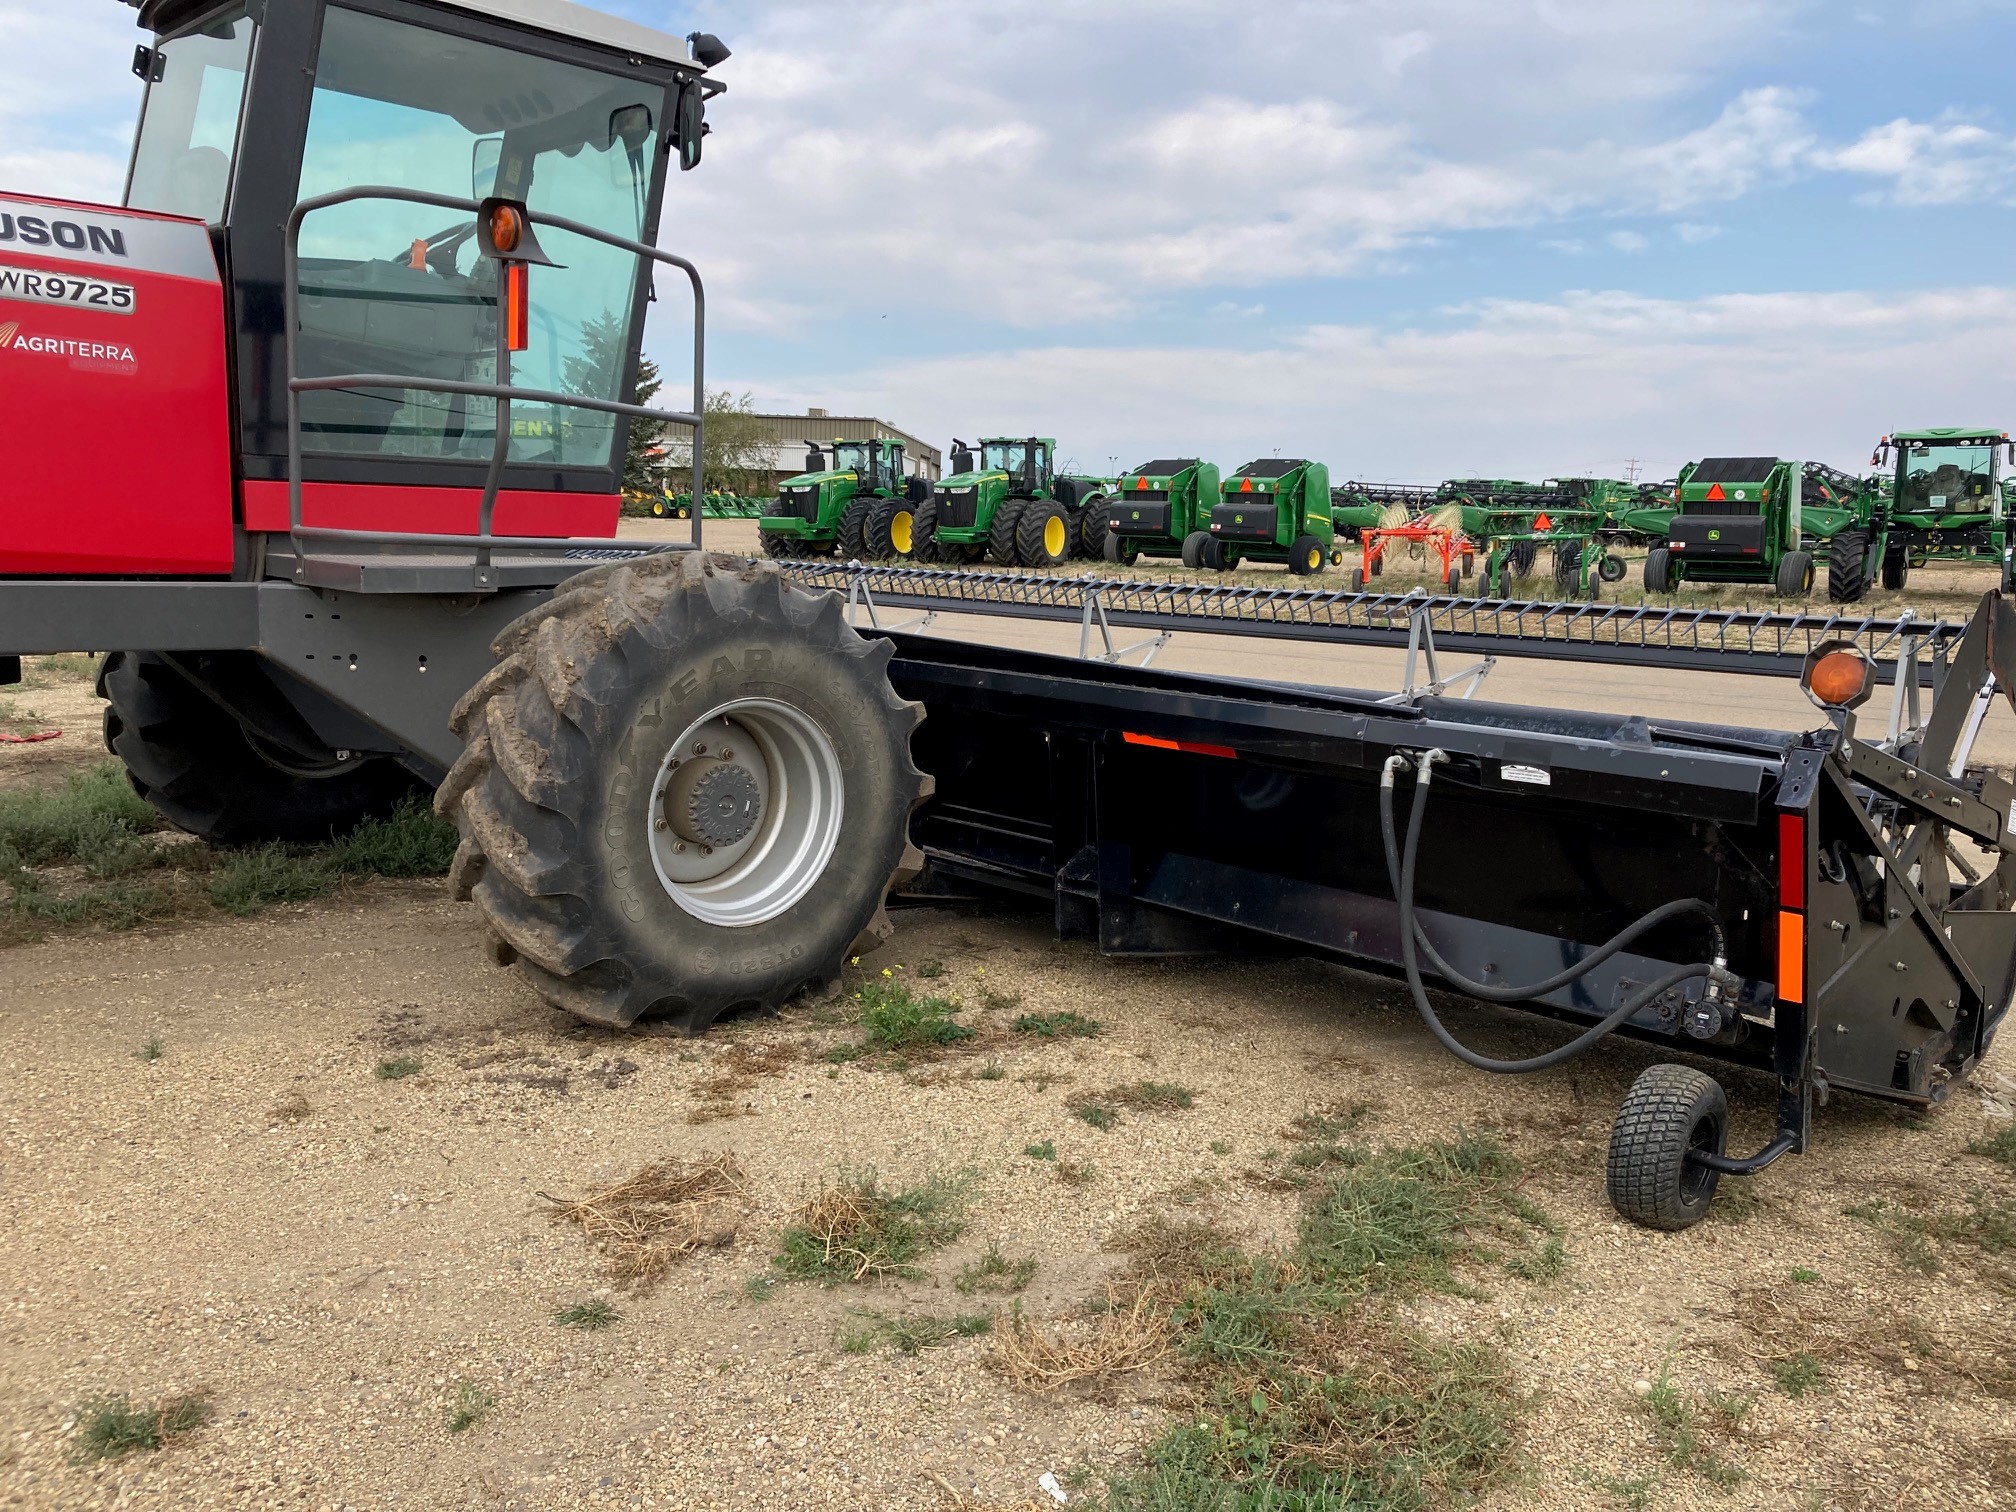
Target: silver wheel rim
[{"x": 796, "y": 775}]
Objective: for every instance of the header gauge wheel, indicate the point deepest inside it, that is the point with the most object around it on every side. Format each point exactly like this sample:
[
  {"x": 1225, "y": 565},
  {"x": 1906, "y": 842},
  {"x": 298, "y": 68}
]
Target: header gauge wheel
[{"x": 686, "y": 790}]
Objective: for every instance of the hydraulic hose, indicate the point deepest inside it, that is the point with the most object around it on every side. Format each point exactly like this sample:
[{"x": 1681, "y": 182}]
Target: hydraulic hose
[{"x": 1414, "y": 940}]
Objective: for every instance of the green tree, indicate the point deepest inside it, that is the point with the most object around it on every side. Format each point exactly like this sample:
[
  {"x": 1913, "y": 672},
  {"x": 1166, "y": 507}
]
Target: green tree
[
  {"x": 595, "y": 372},
  {"x": 735, "y": 456}
]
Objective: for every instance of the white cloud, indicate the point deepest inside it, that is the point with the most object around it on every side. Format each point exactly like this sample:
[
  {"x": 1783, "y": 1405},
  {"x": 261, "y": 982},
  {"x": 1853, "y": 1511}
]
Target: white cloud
[
  {"x": 1628, "y": 241},
  {"x": 1942, "y": 163},
  {"x": 1519, "y": 387},
  {"x": 1695, "y": 232}
]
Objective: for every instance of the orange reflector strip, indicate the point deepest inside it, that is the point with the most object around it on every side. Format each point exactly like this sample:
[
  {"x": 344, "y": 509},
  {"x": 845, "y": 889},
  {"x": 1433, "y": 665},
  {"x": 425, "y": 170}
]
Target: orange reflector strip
[
  {"x": 518, "y": 305},
  {"x": 1791, "y": 957},
  {"x": 1194, "y": 747},
  {"x": 1791, "y": 860}
]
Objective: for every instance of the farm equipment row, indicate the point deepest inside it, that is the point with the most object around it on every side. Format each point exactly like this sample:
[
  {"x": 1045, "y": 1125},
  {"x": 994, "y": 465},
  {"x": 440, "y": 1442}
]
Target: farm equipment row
[{"x": 686, "y": 786}]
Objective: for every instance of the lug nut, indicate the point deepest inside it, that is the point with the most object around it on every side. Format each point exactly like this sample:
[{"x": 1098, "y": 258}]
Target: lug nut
[
  {"x": 727, "y": 754},
  {"x": 659, "y": 823},
  {"x": 700, "y": 748}
]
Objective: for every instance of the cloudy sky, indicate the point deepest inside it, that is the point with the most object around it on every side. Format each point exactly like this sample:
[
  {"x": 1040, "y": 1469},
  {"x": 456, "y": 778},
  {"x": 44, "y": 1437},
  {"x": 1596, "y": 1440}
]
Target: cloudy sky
[{"x": 1413, "y": 238}]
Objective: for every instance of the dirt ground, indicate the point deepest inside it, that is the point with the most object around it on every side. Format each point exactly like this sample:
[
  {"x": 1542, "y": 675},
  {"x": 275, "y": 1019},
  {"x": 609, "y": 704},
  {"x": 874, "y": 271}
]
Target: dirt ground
[{"x": 207, "y": 1185}]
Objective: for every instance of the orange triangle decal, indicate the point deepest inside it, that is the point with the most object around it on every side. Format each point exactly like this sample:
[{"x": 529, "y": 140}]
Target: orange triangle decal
[
  {"x": 1541, "y": 522},
  {"x": 1245, "y": 485},
  {"x": 1715, "y": 491},
  {"x": 1140, "y": 485}
]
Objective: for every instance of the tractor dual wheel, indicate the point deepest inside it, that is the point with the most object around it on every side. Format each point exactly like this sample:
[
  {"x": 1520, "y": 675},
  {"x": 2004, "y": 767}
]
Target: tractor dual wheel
[
  {"x": 1795, "y": 574},
  {"x": 1001, "y": 534},
  {"x": 1659, "y": 575},
  {"x": 1193, "y": 548},
  {"x": 1120, "y": 551},
  {"x": 1095, "y": 526},
  {"x": 685, "y": 791},
  {"x": 924, "y": 547},
  {"x": 853, "y": 544},
  {"x": 1669, "y": 1112},
  {"x": 1848, "y": 566},
  {"x": 209, "y": 775},
  {"x": 890, "y": 529},
  {"x": 779, "y": 548},
  {"x": 1044, "y": 534},
  {"x": 1305, "y": 557}
]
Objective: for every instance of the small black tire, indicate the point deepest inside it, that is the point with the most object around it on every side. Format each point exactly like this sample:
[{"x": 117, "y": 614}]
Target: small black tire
[
  {"x": 198, "y": 765},
  {"x": 658, "y": 508},
  {"x": 1094, "y": 529},
  {"x": 1119, "y": 551},
  {"x": 1896, "y": 569},
  {"x": 1848, "y": 566},
  {"x": 1305, "y": 557},
  {"x": 1193, "y": 548},
  {"x": 1520, "y": 557},
  {"x": 572, "y": 746},
  {"x": 779, "y": 548},
  {"x": 890, "y": 530},
  {"x": 853, "y": 542},
  {"x": 1669, "y": 1111},
  {"x": 1567, "y": 564},
  {"x": 1357, "y": 579},
  {"x": 924, "y": 547},
  {"x": 1795, "y": 574},
  {"x": 1376, "y": 566},
  {"x": 1216, "y": 557},
  {"x": 1611, "y": 568},
  {"x": 1658, "y": 570},
  {"x": 1001, "y": 533},
  {"x": 1044, "y": 536}
]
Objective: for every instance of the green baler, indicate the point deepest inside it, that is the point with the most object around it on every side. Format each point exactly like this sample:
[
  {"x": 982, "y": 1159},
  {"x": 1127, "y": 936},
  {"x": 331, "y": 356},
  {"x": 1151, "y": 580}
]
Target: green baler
[
  {"x": 1007, "y": 503},
  {"x": 1753, "y": 520},
  {"x": 1158, "y": 506},
  {"x": 861, "y": 506},
  {"x": 1276, "y": 509},
  {"x": 1943, "y": 500}
]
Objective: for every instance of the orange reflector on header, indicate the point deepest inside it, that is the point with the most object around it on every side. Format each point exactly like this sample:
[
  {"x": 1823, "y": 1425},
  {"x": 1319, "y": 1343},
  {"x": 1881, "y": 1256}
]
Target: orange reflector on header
[
  {"x": 1791, "y": 957},
  {"x": 518, "y": 305},
  {"x": 1194, "y": 747}
]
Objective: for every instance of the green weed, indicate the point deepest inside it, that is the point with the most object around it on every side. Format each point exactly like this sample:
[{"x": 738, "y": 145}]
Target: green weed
[
  {"x": 1045, "y": 1149},
  {"x": 1796, "y": 1374},
  {"x": 896, "y": 1019},
  {"x": 591, "y": 1316},
  {"x": 1063, "y": 1025},
  {"x": 109, "y": 1426},
  {"x": 992, "y": 1071},
  {"x": 1677, "y": 1422},
  {"x": 1804, "y": 1275},
  {"x": 1920, "y": 1241},
  {"x": 398, "y": 1068},
  {"x": 1101, "y": 1115},
  {"x": 930, "y": 971},
  {"x": 1999, "y": 1146},
  {"x": 409, "y": 842},
  {"x": 469, "y": 1406},
  {"x": 760, "y": 1288},
  {"x": 247, "y": 881},
  {"x": 1549, "y": 1262},
  {"x": 855, "y": 1231},
  {"x": 995, "y": 1272},
  {"x": 153, "y": 1050},
  {"x": 1221, "y": 1147}
]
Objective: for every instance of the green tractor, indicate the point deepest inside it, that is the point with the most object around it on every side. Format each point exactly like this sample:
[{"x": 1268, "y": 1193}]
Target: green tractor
[
  {"x": 1754, "y": 520},
  {"x": 1942, "y": 500},
  {"x": 859, "y": 506},
  {"x": 1008, "y": 504},
  {"x": 1157, "y": 507},
  {"x": 1274, "y": 510}
]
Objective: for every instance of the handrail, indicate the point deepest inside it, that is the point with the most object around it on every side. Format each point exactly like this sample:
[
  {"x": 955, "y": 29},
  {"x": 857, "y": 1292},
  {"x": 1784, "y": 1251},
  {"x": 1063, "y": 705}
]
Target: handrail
[{"x": 484, "y": 541}]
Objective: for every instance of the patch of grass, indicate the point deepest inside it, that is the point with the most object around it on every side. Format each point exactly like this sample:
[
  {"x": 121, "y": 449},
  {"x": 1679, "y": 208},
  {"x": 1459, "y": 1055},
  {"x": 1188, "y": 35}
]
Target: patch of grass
[
  {"x": 995, "y": 1272},
  {"x": 840, "y": 1055},
  {"x": 1999, "y": 1146},
  {"x": 992, "y": 1071},
  {"x": 1677, "y": 1422},
  {"x": 930, "y": 971},
  {"x": 469, "y": 1406},
  {"x": 1736, "y": 1200},
  {"x": 670, "y": 1209},
  {"x": 95, "y": 820},
  {"x": 896, "y": 1019},
  {"x": 1634, "y": 1493},
  {"x": 409, "y": 842},
  {"x": 1045, "y": 1149},
  {"x": 397, "y": 1068},
  {"x": 1804, "y": 1275},
  {"x": 1063, "y": 1025},
  {"x": 1101, "y": 1115},
  {"x": 153, "y": 1050},
  {"x": 1921, "y": 1241},
  {"x": 998, "y": 1002},
  {"x": 1548, "y": 1263},
  {"x": 856, "y": 1231},
  {"x": 247, "y": 881},
  {"x": 760, "y": 1288},
  {"x": 1796, "y": 1374},
  {"x": 591, "y": 1316},
  {"x": 1221, "y": 1147},
  {"x": 1076, "y": 1173},
  {"x": 909, "y": 1333},
  {"x": 109, "y": 1426},
  {"x": 1152, "y": 1097}
]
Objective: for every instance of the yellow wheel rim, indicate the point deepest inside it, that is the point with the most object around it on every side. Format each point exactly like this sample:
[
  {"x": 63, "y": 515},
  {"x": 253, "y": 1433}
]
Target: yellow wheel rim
[
  {"x": 658, "y": 508},
  {"x": 899, "y": 532},
  {"x": 1315, "y": 559},
  {"x": 1053, "y": 537}
]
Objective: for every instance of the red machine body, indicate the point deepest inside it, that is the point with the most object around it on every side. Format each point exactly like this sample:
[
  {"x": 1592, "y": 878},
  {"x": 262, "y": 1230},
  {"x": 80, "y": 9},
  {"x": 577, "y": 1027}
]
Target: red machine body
[{"x": 113, "y": 382}]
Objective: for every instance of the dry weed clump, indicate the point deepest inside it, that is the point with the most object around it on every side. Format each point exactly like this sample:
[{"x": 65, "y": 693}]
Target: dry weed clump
[
  {"x": 668, "y": 1210},
  {"x": 739, "y": 1068},
  {"x": 1127, "y": 1334},
  {"x": 1777, "y": 1336},
  {"x": 856, "y": 1231}
]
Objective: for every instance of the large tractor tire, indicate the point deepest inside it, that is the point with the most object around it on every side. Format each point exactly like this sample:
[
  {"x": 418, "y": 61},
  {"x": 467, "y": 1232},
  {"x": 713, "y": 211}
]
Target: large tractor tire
[
  {"x": 1193, "y": 548},
  {"x": 1305, "y": 557},
  {"x": 1043, "y": 534},
  {"x": 853, "y": 543},
  {"x": 1848, "y": 566},
  {"x": 686, "y": 790},
  {"x": 197, "y": 764},
  {"x": 1094, "y": 529},
  {"x": 779, "y": 548},
  {"x": 891, "y": 529},
  {"x": 1001, "y": 534},
  {"x": 1659, "y": 570},
  {"x": 924, "y": 547},
  {"x": 1795, "y": 574},
  {"x": 1896, "y": 568}
]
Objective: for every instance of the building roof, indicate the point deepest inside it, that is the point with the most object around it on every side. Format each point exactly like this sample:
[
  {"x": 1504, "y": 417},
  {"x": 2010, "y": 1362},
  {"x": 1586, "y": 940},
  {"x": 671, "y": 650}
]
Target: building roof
[{"x": 828, "y": 428}]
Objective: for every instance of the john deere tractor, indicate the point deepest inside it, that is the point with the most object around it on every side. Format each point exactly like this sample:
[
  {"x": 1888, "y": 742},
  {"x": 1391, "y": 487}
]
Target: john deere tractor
[
  {"x": 1274, "y": 510},
  {"x": 1753, "y": 520},
  {"x": 857, "y": 503},
  {"x": 1158, "y": 506},
  {"x": 1008, "y": 504},
  {"x": 1943, "y": 501}
]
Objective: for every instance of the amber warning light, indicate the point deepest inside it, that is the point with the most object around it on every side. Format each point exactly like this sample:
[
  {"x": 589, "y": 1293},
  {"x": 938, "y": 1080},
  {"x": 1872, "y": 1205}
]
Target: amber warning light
[{"x": 1838, "y": 675}]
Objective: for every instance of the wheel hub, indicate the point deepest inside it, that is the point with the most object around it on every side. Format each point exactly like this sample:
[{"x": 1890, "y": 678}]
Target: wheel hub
[{"x": 712, "y": 802}]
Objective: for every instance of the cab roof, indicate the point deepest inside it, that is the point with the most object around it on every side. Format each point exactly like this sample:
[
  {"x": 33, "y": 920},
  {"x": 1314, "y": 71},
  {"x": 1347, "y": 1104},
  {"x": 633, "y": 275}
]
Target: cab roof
[
  {"x": 1981, "y": 433},
  {"x": 561, "y": 18}
]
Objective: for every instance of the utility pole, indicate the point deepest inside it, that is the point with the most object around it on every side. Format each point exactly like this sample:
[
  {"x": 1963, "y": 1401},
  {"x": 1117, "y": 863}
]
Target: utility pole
[{"x": 1632, "y": 467}]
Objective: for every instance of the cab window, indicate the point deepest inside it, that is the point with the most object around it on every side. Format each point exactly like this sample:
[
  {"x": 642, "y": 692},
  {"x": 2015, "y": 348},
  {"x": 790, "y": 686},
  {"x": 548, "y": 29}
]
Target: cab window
[{"x": 188, "y": 135}]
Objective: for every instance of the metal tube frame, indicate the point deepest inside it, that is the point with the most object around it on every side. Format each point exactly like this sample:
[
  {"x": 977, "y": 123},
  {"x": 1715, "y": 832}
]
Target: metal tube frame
[{"x": 484, "y": 542}]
